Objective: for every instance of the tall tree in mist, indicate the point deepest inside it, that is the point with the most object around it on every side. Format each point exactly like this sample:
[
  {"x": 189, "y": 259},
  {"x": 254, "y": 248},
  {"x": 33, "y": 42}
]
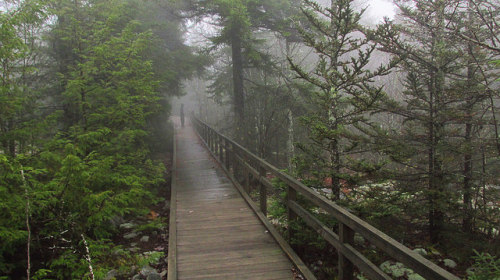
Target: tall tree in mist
[
  {"x": 343, "y": 92},
  {"x": 110, "y": 71},
  {"x": 443, "y": 110},
  {"x": 237, "y": 21}
]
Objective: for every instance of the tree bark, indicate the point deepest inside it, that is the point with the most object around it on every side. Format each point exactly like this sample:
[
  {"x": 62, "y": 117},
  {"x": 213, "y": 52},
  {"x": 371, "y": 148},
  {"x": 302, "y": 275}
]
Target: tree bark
[{"x": 237, "y": 59}]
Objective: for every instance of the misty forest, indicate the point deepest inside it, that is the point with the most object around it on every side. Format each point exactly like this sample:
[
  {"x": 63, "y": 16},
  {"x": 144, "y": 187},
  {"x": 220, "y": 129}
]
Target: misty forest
[{"x": 394, "y": 118}]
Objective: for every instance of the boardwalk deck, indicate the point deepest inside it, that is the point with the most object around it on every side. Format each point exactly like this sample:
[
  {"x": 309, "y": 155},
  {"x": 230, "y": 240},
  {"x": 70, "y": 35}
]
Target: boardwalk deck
[{"x": 217, "y": 234}]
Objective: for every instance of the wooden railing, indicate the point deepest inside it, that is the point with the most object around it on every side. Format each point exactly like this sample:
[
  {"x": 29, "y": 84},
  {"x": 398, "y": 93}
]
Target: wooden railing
[{"x": 235, "y": 159}]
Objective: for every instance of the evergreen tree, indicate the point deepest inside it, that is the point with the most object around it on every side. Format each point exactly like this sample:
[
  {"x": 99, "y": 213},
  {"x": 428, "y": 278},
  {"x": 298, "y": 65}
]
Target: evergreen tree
[
  {"x": 342, "y": 96},
  {"x": 442, "y": 110}
]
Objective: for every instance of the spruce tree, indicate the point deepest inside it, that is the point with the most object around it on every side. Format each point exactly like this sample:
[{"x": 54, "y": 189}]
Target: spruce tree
[{"x": 343, "y": 93}]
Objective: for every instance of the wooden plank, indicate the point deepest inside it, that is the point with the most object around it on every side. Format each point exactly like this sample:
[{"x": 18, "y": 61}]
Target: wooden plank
[
  {"x": 221, "y": 247},
  {"x": 276, "y": 235},
  {"x": 268, "y": 275},
  {"x": 218, "y": 236},
  {"x": 236, "y": 270},
  {"x": 390, "y": 246},
  {"x": 208, "y": 225},
  {"x": 222, "y": 232},
  {"x": 230, "y": 264},
  {"x": 201, "y": 240},
  {"x": 222, "y": 256}
]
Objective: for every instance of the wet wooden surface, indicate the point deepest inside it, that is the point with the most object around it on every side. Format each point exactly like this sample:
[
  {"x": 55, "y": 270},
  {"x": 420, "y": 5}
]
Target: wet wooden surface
[{"x": 218, "y": 235}]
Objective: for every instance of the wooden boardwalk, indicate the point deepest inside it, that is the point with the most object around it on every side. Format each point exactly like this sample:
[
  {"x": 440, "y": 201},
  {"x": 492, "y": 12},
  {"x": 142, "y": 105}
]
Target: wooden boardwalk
[{"x": 217, "y": 235}]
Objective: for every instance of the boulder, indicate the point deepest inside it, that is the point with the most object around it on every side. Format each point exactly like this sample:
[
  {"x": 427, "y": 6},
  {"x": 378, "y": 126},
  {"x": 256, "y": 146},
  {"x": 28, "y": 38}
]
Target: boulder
[
  {"x": 154, "y": 276},
  {"x": 130, "y": 235},
  {"x": 127, "y": 226},
  {"x": 450, "y": 263}
]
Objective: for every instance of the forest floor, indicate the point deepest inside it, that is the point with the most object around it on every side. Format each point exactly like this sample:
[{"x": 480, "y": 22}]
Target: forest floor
[{"x": 146, "y": 237}]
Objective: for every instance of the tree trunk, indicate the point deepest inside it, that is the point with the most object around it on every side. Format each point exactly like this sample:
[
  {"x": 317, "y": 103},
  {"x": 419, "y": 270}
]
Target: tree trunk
[
  {"x": 239, "y": 97},
  {"x": 289, "y": 143}
]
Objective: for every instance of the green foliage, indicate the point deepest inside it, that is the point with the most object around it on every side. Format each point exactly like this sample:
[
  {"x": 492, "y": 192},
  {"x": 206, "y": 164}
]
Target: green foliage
[
  {"x": 155, "y": 224},
  {"x": 485, "y": 267},
  {"x": 80, "y": 126},
  {"x": 343, "y": 95}
]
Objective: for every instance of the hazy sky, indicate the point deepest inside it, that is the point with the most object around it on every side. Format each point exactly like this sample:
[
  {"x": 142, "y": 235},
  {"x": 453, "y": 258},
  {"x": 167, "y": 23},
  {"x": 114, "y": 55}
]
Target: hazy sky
[{"x": 377, "y": 9}]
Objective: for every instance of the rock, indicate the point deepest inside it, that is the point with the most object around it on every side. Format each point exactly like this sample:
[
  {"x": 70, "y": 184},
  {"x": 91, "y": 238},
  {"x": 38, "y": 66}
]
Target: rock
[
  {"x": 163, "y": 273},
  {"x": 450, "y": 263},
  {"x": 136, "y": 277},
  {"x": 358, "y": 239},
  {"x": 118, "y": 252},
  {"x": 144, "y": 239},
  {"x": 127, "y": 226},
  {"x": 134, "y": 249},
  {"x": 116, "y": 221},
  {"x": 415, "y": 277},
  {"x": 420, "y": 251},
  {"x": 154, "y": 276},
  {"x": 154, "y": 233},
  {"x": 133, "y": 244},
  {"x": 111, "y": 274},
  {"x": 130, "y": 235},
  {"x": 146, "y": 270}
]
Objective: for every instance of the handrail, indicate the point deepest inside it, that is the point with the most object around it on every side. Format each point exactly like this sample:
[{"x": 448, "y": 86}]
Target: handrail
[{"x": 231, "y": 154}]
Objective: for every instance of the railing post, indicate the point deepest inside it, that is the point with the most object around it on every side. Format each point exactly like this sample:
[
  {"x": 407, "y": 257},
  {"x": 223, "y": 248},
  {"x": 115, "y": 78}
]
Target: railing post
[
  {"x": 291, "y": 196},
  {"x": 247, "y": 181},
  {"x": 263, "y": 191},
  {"x": 346, "y": 268},
  {"x": 221, "y": 154},
  {"x": 234, "y": 161},
  {"x": 216, "y": 144},
  {"x": 212, "y": 140},
  {"x": 228, "y": 154},
  {"x": 209, "y": 139}
]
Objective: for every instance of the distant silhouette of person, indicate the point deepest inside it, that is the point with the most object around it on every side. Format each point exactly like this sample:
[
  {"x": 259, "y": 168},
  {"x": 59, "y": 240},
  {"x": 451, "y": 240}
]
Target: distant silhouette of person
[{"x": 182, "y": 115}]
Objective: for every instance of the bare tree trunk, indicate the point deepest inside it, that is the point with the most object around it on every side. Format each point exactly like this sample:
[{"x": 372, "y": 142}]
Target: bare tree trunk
[
  {"x": 239, "y": 97},
  {"x": 290, "y": 147}
]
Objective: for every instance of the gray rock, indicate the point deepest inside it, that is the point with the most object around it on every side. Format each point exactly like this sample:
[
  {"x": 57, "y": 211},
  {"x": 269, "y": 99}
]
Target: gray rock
[
  {"x": 420, "y": 251},
  {"x": 134, "y": 249},
  {"x": 415, "y": 277},
  {"x": 130, "y": 235},
  {"x": 154, "y": 233},
  {"x": 118, "y": 252},
  {"x": 358, "y": 239},
  {"x": 116, "y": 221},
  {"x": 450, "y": 263},
  {"x": 145, "y": 238},
  {"x": 146, "y": 270},
  {"x": 163, "y": 273},
  {"x": 136, "y": 277},
  {"x": 127, "y": 225},
  {"x": 111, "y": 274},
  {"x": 154, "y": 276}
]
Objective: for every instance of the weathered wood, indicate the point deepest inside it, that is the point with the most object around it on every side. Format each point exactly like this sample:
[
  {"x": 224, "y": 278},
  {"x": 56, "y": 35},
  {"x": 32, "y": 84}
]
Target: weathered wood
[
  {"x": 213, "y": 221},
  {"x": 263, "y": 192},
  {"x": 346, "y": 268},
  {"x": 385, "y": 243},
  {"x": 291, "y": 197},
  {"x": 364, "y": 265}
]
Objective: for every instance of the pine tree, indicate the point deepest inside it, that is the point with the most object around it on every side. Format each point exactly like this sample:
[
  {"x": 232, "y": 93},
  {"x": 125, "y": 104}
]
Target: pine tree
[{"x": 343, "y": 92}]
